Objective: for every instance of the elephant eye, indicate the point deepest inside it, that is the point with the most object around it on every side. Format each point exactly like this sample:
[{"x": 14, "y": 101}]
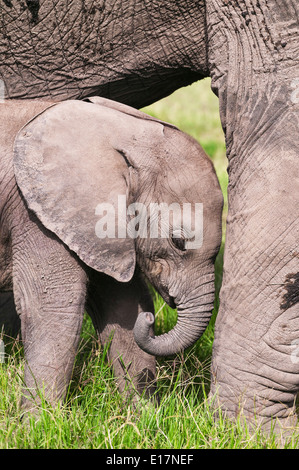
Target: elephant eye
[{"x": 179, "y": 243}]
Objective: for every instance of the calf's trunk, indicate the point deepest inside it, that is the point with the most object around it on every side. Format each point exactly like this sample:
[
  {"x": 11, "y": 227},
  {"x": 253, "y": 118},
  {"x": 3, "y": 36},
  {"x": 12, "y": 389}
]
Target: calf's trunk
[{"x": 191, "y": 324}]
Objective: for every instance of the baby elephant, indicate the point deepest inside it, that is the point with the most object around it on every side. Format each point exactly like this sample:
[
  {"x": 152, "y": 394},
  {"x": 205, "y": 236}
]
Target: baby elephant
[{"x": 96, "y": 199}]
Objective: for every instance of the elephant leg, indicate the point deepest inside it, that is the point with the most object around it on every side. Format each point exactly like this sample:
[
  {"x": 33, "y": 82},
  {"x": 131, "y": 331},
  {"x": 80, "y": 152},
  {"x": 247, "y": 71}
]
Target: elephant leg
[
  {"x": 49, "y": 289},
  {"x": 255, "y": 367},
  {"x": 113, "y": 307},
  {"x": 9, "y": 319}
]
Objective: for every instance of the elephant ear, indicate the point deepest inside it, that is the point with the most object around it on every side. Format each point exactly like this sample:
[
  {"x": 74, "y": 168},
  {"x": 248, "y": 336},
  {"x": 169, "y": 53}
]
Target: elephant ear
[{"x": 71, "y": 176}]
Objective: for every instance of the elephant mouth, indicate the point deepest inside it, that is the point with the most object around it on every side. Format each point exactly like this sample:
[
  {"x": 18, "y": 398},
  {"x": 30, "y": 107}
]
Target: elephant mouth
[
  {"x": 168, "y": 299},
  {"x": 171, "y": 302}
]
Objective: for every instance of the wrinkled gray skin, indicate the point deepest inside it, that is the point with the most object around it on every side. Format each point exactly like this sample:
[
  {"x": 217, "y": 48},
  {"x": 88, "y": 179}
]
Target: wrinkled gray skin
[
  {"x": 69, "y": 158},
  {"x": 138, "y": 53}
]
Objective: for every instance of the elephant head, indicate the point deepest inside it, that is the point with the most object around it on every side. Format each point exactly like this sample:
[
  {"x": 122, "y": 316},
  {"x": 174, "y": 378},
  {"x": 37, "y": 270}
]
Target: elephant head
[{"x": 100, "y": 175}]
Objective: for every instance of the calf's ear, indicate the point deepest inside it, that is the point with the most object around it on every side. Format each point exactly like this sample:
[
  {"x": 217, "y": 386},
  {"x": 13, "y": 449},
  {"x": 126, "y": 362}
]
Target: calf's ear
[{"x": 74, "y": 178}]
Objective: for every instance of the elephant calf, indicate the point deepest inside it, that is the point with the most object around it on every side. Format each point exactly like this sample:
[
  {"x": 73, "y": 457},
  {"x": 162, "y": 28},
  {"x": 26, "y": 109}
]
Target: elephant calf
[{"x": 86, "y": 191}]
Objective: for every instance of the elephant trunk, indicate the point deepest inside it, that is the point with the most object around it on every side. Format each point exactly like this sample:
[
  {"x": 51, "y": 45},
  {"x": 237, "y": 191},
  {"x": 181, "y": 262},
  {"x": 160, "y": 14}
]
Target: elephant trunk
[{"x": 191, "y": 324}]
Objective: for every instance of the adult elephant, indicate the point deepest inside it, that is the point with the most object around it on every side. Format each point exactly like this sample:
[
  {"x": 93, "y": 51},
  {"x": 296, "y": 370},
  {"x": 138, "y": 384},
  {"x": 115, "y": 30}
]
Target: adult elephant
[{"x": 137, "y": 52}]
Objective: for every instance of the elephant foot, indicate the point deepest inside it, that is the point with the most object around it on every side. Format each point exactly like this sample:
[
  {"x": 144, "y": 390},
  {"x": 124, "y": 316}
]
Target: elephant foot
[
  {"x": 248, "y": 414},
  {"x": 147, "y": 386}
]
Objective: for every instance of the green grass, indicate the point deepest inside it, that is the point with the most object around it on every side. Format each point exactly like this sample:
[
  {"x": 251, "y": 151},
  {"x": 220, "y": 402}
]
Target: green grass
[{"x": 95, "y": 415}]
